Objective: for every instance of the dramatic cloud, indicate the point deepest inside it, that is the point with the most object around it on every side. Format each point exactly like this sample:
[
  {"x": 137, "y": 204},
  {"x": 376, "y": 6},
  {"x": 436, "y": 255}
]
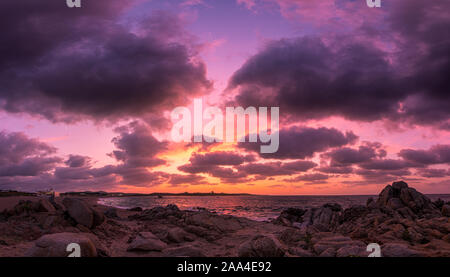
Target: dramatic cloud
[
  {"x": 23, "y": 156},
  {"x": 347, "y": 156},
  {"x": 368, "y": 161},
  {"x": 309, "y": 79},
  {"x": 395, "y": 71},
  {"x": 382, "y": 176},
  {"x": 28, "y": 164},
  {"x": 216, "y": 164},
  {"x": 304, "y": 142},
  {"x": 235, "y": 168},
  {"x": 438, "y": 154},
  {"x": 387, "y": 164},
  {"x": 77, "y": 161},
  {"x": 112, "y": 61},
  {"x": 433, "y": 172},
  {"x": 137, "y": 146},
  {"x": 88, "y": 64}
]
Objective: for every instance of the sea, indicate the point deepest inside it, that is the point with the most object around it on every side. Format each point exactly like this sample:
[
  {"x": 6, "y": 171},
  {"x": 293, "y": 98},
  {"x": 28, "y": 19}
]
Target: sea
[{"x": 255, "y": 207}]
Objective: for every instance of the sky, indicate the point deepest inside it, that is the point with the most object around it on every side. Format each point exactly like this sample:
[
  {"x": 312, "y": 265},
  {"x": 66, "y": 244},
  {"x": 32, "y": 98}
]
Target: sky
[{"x": 86, "y": 94}]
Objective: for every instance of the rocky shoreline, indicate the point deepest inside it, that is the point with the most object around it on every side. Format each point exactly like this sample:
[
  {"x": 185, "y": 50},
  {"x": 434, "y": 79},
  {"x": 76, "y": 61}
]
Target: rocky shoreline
[{"x": 404, "y": 222}]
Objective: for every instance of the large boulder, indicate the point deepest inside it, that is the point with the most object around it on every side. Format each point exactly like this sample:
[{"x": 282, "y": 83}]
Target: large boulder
[
  {"x": 261, "y": 246},
  {"x": 55, "y": 245},
  {"x": 325, "y": 218},
  {"x": 159, "y": 213},
  {"x": 354, "y": 212},
  {"x": 384, "y": 196},
  {"x": 371, "y": 203},
  {"x": 415, "y": 200},
  {"x": 99, "y": 217},
  {"x": 292, "y": 236},
  {"x": 445, "y": 210},
  {"x": 111, "y": 213},
  {"x": 82, "y": 213},
  {"x": 289, "y": 216},
  {"x": 179, "y": 235},
  {"x": 45, "y": 206},
  {"x": 395, "y": 203},
  {"x": 219, "y": 223},
  {"x": 79, "y": 211},
  {"x": 146, "y": 241},
  {"x": 337, "y": 242},
  {"x": 399, "y": 196}
]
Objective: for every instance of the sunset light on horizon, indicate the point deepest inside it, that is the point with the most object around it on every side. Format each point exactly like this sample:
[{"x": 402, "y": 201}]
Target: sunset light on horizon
[{"x": 363, "y": 97}]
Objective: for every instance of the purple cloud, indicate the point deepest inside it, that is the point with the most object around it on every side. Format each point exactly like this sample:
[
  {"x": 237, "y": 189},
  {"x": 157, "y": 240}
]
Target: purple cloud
[
  {"x": 23, "y": 156},
  {"x": 89, "y": 65},
  {"x": 438, "y": 154},
  {"x": 372, "y": 73},
  {"x": 304, "y": 142}
]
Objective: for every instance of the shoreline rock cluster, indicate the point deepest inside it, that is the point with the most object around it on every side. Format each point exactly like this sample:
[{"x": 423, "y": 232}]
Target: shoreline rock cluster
[{"x": 401, "y": 220}]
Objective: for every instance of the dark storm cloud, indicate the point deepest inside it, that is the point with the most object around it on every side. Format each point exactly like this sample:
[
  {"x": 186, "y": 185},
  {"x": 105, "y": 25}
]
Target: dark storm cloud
[
  {"x": 437, "y": 154},
  {"x": 214, "y": 164},
  {"x": 231, "y": 166},
  {"x": 218, "y": 169},
  {"x": 226, "y": 173},
  {"x": 304, "y": 142},
  {"x": 194, "y": 169},
  {"x": 77, "y": 161},
  {"x": 433, "y": 172},
  {"x": 137, "y": 146},
  {"x": 15, "y": 147},
  {"x": 380, "y": 176},
  {"x": 387, "y": 164},
  {"x": 368, "y": 160},
  {"x": 213, "y": 170},
  {"x": 140, "y": 176},
  {"x": 424, "y": 29},
  {"x": 66, "y": 65},
  {"x": 306, "y": 78},
  {"x": 73, "y": 173},
  {"x": 347, "y": 156},
  {"x": 298, "y": 166},
  {"x": 29, "y": 165},
  {"x": 355, "y": 78},
  {"x": 137, "y": 151},
  {"x": 23, "y": 156},
  {"x": 368, "y": 156}
]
